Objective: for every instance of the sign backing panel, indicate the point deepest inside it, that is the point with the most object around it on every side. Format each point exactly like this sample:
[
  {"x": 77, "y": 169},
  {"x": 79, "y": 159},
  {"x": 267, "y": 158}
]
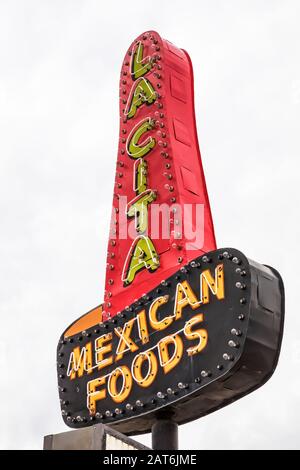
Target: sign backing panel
[{"x": 204, "y": 337}]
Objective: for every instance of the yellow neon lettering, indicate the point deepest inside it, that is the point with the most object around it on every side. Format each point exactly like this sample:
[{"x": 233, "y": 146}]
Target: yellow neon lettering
[
  {"x": 137, "y": 364},
  {"x": 102, "y": 350},
  {"x": 143, "y": 327},
  {"x": 140, "y": 176},
  {"x": 142, "y": 92},
  {"x": 138, "y": 208},
  {"x": 135, "y": 148},
  {"x": 94, "y": 395},
  {"x": 142, "y": 254},
  {"x": 139, "y": 65},
  {"x": 167, "y": 362},
  {"x": 215, "y": 285},
  {"x": 125, "y": 342},
  {"x": 184, "y": 296},
  {"x": 201, "y": 334},
  {"x": 120, "y": 396},
  {"x": 80, "y": 361},
  {"x": 154, "y": 322}
]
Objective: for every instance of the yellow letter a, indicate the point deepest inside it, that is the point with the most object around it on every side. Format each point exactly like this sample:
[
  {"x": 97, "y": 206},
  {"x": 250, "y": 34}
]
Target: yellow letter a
[{"x": 142, "y": 254}]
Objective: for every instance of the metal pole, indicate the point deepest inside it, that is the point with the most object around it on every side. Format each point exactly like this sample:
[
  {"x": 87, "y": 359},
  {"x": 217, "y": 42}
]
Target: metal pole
[{"x": 164, "y": 434}]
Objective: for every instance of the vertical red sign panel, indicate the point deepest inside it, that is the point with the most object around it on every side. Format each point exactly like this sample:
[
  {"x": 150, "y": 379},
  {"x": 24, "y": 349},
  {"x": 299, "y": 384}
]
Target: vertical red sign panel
[{"x": 161, "y": 215}]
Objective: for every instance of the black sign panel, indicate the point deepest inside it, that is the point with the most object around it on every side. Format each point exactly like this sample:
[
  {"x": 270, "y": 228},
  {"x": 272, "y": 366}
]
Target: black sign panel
[{"x": 206, "y": 336}]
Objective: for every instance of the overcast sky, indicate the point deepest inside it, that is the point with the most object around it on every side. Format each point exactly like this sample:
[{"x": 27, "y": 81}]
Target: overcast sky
[{"x": 59, "y": 118}]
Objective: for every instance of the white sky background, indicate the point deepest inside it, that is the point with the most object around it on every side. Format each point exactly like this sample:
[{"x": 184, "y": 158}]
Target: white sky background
[{"x": 59, "y": 124}]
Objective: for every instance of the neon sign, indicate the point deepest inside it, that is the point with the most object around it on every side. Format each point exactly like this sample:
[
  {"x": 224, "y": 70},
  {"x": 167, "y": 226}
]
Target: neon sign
[{"x": 184, "y": 326}]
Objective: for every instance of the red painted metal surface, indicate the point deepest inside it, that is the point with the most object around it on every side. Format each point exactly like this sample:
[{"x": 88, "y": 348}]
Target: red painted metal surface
[{"x": 174, "y": 169}]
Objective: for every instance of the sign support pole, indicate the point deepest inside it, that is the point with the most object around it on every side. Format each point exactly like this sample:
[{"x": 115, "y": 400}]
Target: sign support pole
[{"x": 164, "y": 433}]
